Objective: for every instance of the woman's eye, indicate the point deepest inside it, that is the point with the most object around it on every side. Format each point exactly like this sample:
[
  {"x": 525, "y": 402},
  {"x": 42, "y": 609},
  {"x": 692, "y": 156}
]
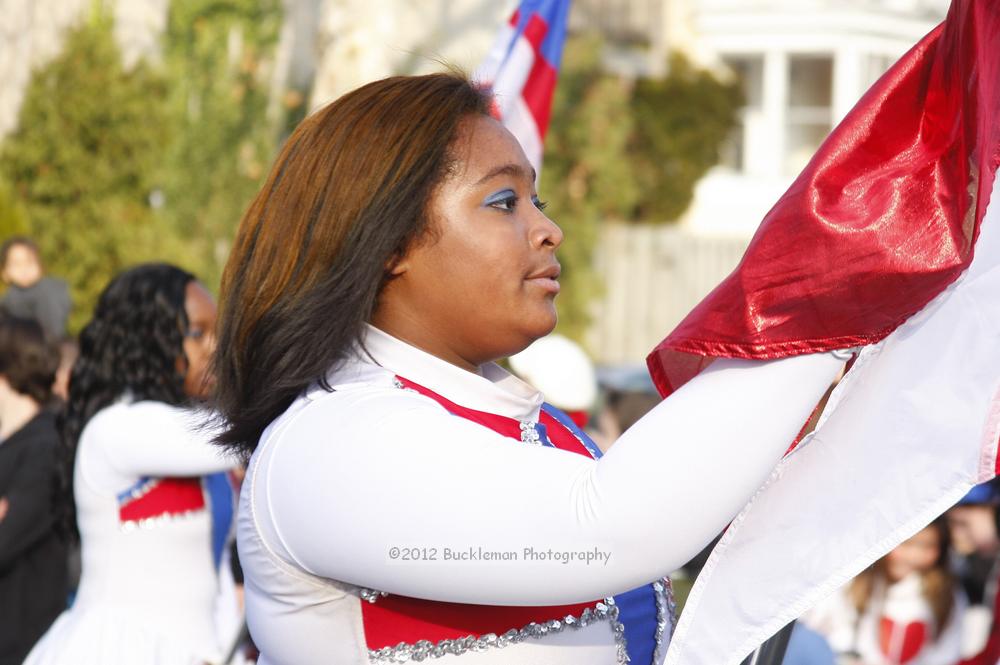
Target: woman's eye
[
  {"x": 195, "y": 333},
  {"x": 506, "y": 204},
  {"x": 505, "y": 200},
  {"x": 541, "y": 205}
]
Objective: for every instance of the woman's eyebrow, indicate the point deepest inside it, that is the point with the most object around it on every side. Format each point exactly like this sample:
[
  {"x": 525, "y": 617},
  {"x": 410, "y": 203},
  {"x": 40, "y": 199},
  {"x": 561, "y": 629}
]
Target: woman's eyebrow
[{"x": 514, "y": 170}]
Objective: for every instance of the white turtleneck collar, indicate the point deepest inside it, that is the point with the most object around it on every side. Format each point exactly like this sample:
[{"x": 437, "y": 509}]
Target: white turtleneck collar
[{"x": 492, "y": 389}]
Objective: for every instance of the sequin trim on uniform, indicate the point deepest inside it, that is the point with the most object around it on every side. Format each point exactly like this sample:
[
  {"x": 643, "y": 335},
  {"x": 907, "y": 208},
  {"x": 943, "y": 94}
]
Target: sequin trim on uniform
[
  {"x": 399, "y": 384},
  {"x": 425, "y": 649},
  {"x": 371, "y": 595},
  {"x": 143, "y": 487},
  {"x": 666, "y": 614},
  {"x": 128, "y": 526},
  {"x": 529, "y": 433}
]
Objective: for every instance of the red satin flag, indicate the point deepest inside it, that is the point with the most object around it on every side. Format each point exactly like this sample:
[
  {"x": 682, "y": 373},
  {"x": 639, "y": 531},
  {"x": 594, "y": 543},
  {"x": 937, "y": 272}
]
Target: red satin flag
[{"x": 883, "y": 218}]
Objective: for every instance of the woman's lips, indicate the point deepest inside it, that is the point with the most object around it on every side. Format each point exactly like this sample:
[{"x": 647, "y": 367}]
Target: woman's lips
[
  {"x": 546, "y": 278},
  {"x": 550, "y": 284}
]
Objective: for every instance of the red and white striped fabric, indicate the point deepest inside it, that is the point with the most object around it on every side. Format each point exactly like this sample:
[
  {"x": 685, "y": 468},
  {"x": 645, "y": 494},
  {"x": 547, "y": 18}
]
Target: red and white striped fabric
[
  {"x": 887, "y": 239},
  {"x": 521, "y": 69}
]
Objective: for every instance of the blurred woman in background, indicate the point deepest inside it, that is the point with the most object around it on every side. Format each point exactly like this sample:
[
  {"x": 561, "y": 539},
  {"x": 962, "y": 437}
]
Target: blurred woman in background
[
  {"x": 32, "y": 553},
  {"x": 906, "y": 608},
  {"x": 152, "y": 502}
]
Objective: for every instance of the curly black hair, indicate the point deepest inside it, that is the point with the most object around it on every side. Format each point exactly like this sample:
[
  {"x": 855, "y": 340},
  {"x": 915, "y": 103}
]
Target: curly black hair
[{"x": 132, "y": 346}]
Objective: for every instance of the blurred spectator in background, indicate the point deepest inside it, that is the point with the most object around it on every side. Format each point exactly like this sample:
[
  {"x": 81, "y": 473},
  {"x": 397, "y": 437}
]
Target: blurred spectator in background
[
  {"x": 976, "y": 545},
  {"x": 153, "y": 503},
  {"x": 906, "y": 608},
  {"x": 68, "y": 353},
  {"x": 30, "y": 294},
  {"x": 562, "y": 371},
  {"x": 33, "y": 575},
  {"x": 627, "y": 394}
]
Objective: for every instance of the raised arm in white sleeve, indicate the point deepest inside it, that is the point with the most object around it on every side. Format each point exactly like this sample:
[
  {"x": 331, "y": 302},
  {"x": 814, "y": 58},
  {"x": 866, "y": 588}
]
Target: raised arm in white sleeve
[
  {"x": 154, "y": 439},
  {"x": 356, "y": 473}
]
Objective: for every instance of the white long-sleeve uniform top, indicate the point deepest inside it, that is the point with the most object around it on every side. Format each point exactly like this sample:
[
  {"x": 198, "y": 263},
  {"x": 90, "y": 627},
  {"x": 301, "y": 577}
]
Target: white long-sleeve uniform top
[
  {"x": 149, "y": 584},
  {"x": 343, "y": 478}
]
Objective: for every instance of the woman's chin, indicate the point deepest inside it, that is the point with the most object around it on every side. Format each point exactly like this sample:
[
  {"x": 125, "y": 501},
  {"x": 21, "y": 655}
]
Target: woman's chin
[{"x": 541, "y": 325}]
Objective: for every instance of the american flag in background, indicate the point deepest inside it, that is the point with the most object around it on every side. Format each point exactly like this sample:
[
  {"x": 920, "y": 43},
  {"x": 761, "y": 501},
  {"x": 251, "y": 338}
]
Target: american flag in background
[{"x": 521, "y": 69}]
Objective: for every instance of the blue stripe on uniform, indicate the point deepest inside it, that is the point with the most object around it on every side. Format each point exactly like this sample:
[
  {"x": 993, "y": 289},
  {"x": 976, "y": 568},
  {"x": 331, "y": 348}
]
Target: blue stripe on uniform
[{"x": 220, "y": 498}]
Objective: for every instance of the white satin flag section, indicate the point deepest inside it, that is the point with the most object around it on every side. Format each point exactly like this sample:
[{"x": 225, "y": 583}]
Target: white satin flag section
[{"x": 910, "y": 429}]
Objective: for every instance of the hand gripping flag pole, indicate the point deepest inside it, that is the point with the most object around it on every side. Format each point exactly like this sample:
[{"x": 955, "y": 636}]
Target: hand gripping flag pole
[
  {"x": 889, "y": 239},
  {"x": 521, "y": 69}
]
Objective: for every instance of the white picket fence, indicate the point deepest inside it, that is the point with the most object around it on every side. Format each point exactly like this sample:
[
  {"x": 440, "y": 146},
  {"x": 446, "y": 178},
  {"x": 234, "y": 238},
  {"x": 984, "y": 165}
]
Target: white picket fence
[{"x": 653, "y": 276}]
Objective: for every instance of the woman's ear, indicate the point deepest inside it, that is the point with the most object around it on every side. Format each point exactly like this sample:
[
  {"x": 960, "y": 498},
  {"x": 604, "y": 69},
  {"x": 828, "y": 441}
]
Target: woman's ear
[{"x": 397, "y": 264}]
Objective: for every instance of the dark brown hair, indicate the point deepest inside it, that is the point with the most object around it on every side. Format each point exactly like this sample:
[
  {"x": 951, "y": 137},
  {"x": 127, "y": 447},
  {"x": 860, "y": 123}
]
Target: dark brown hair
[
  {"x": 346, "y": 196},
  {"x": 937, "y": 585},
  {"x": 27, "y": 360}
]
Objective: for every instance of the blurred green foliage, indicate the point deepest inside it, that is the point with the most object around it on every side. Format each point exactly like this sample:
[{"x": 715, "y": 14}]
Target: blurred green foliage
[
  {"x": 586, "y": 178},
  {"x": 83, "y": 161},
  {"x": 13, "y": 218},
  {"x": 111, "y": 166},
  {"x": 218, "y": 55},
  {"x": 625, "y": 151},
  {"x": 681, "y": 121},
  {"x": 117, "y": 165}
]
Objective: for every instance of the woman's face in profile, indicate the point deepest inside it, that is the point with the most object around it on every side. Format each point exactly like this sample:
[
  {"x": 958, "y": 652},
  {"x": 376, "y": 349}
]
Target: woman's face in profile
[
  {"x": 486, "y": 277},
  {"x": 199, "y": 339}
]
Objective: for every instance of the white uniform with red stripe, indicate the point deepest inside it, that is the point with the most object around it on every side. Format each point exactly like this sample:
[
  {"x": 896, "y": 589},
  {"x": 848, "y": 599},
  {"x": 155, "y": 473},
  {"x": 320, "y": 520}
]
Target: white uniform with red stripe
[
  {"x": 418, "y": 502},
  {"x": 153, "y": 535},
  {"x": 897, "y": 627}
]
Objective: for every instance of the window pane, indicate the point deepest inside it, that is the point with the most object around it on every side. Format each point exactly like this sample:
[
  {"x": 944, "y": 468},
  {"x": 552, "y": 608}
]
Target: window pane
[
  {"x": 749, "y": 71},
  {"x": 802, "y": 142},
  {"x": 876, "y": 65},
  {"x": 810, "y": 81}
]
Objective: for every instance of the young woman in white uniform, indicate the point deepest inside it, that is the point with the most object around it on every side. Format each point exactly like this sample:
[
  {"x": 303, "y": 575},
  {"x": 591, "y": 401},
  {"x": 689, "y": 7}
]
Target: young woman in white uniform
[
  {"x": 407, "y": 498},
  {"x": 153, "y": 501}
]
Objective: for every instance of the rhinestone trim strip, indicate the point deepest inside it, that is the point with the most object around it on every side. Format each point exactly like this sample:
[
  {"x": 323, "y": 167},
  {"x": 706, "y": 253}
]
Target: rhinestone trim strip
[
  {"x": 129, "y": 526},
  {"x": 425, "y": 649},
  {"x": 529, "y": 434},
  {"x": 666, "y": 613},
  {"x": 371, "y": 595},
  {"x": 399, "y": 384},
  {"x": 141, "y": 489}
]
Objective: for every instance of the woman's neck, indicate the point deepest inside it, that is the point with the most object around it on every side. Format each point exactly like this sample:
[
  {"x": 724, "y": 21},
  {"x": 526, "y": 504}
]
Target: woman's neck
[
  {"x": 412, "y": 331},
  {"x": 16, "y": 411}
]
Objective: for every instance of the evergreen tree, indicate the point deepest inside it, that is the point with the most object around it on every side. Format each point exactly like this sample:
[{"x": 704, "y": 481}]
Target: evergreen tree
[
  {"x": 82, "y": 160},
  {"x": 680, "y": 123},
  {"x": 585, "y": 176},
  {"x": 218, "y": 55},
  {"x": 13, "y": 218}
]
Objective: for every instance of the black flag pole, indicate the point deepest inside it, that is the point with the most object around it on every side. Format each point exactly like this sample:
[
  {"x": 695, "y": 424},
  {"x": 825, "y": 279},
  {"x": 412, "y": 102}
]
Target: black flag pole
[{"x": 772, "y": 651}]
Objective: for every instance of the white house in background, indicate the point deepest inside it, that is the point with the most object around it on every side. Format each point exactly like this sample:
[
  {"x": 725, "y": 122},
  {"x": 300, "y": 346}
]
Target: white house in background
[{"x": 803, "y": 65}]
